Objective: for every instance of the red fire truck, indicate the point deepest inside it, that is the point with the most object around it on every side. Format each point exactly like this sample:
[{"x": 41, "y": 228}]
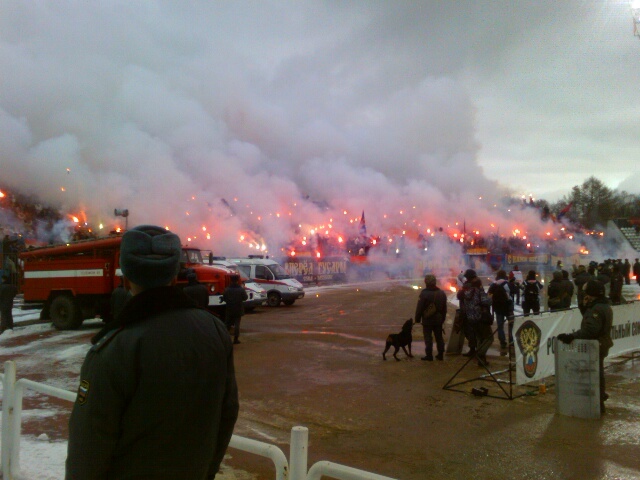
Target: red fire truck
[{"x": 74, "y": 281}]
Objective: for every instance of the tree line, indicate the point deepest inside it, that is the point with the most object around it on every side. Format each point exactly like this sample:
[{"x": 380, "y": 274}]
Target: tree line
[{"x": 593, "y": 203}]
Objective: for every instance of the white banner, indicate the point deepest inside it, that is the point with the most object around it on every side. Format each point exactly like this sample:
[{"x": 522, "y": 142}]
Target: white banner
[{"x": 535, "y": 338}]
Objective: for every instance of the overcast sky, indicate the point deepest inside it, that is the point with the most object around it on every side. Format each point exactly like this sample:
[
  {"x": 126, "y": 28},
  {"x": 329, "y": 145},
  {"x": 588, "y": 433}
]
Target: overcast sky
[{"x": 411, "y": 111}]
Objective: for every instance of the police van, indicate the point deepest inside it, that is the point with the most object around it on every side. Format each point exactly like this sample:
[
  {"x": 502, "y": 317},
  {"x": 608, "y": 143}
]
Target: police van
[{"x": 272, "y": 277}]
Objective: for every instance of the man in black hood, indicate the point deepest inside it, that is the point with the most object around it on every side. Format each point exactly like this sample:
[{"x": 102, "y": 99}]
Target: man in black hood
[
  {"x": 596, "y": 325},
  {"x": 158, "y": 396},
  {"x": 432, "y": 318}
]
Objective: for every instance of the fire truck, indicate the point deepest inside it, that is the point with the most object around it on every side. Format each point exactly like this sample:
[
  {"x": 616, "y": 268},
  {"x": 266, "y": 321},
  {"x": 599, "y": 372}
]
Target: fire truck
[{"x": 74, "y": 281}]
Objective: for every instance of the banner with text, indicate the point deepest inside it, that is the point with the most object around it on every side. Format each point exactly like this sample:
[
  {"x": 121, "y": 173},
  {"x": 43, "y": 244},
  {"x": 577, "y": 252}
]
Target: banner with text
[{"x": 535, "y": 338}]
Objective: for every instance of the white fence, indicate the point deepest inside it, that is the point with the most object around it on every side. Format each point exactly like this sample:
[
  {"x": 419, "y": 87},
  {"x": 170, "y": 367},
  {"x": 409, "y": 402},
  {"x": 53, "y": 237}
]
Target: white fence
[{"x": 295, "y": 469}]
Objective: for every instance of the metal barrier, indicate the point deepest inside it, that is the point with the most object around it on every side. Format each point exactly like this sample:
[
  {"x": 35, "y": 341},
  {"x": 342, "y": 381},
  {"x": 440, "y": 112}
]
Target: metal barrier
[
  {"x": 262, "y": 449},
  {"x": 335, "y": 470},
  {"x": 13, "y": 393}
]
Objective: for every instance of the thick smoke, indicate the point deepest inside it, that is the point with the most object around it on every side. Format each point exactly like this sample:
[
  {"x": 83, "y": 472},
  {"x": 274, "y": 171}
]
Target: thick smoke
[{"x": 225, "y": 126}]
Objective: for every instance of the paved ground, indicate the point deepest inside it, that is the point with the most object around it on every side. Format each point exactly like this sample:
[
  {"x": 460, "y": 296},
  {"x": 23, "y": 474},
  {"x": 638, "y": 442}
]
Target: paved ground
[{"x": 318, "y": 364}]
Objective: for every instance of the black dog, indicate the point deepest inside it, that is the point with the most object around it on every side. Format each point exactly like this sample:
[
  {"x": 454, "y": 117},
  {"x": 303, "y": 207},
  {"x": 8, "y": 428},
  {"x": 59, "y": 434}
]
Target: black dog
[{"x": 400, "y": 340}]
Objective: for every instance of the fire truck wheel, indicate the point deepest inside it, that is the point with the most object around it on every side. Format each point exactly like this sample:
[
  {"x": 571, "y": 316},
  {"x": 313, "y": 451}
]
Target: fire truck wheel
[
  {"x": 65, "y": 313},
  {"x": 273, "y": 299}
]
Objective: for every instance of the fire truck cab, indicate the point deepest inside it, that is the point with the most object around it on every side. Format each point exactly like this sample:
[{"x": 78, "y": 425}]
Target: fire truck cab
[{"x": 74, "y": 281}]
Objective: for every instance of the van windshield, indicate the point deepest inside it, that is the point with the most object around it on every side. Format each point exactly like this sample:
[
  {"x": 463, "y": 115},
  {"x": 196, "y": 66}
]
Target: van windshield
[{"x": 279, "y": 272}]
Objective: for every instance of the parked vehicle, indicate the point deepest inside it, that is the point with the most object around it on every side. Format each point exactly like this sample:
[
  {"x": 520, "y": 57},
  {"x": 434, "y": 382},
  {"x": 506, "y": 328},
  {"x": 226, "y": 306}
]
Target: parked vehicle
[
  {"x": 257, "y": 294},
  {"x": 273, "y": 278},
  {"x": 74, "y": 281}
]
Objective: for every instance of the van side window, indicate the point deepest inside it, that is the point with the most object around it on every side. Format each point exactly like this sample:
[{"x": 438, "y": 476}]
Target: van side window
[
  {"x": 246, "y": 269},
  {"x": 268, "y": 274},
  {"x": 261, "y": 272}
]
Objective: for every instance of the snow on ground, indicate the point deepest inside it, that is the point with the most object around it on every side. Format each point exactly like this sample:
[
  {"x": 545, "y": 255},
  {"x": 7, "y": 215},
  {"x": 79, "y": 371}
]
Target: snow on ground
[{"x": 43, "y": 458}]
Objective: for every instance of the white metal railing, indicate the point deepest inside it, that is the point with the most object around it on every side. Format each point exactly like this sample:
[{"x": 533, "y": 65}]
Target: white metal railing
[
  {"x": 262, "y": 449},
  {"x": 295, "y": 469},
  {"x": 335, "y": 470}
]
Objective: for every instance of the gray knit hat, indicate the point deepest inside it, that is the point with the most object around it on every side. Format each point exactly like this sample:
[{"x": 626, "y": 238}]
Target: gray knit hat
[{"x": 150, "y": 256}]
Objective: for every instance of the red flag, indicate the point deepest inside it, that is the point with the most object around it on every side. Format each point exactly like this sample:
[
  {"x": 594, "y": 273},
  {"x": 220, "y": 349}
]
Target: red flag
[
  {"x": 564, "y": 211},
  {"x": 363, "y": 227}
]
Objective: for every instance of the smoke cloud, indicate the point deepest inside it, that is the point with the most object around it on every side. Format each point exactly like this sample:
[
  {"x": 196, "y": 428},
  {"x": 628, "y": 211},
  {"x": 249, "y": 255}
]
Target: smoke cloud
[{"x": 231, "y": 121}]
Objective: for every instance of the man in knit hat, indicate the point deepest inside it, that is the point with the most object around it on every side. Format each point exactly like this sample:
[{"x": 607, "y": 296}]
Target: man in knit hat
[{"x": 158, "y": 396}]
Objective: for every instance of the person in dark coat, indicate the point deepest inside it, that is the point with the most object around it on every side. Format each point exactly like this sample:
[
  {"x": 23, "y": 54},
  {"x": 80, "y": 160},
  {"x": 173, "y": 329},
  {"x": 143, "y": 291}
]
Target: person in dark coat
[
  {"x": 582, "y": 277},
  {"x": 603, "y": 275},
  {"x": 569, "y": 288},
  {"x": 432, "y": 324},
  {"x": 531, "y": 289},
  {"x": 502, "y": 305},
  {"x": 596, "y": 325},
  {"x": 626, "y": 271},
  {"x": 119, "y": 297},
  {"x": 616, "y": 283},
  {"x": 472, "y": 298},
  {"x": 636, "y": 270},
  {"x": 196, "y": 290},
  {"x": 557, "y": 292},
  {"x": 8, "y": 292},
  {"x": 234, "y": 296},
  {"x": 158, "y": 396}
]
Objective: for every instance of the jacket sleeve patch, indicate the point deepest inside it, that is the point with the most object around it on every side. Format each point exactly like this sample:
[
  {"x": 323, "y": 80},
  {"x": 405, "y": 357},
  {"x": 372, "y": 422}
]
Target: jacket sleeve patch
[{"x": 83, "y": 392}]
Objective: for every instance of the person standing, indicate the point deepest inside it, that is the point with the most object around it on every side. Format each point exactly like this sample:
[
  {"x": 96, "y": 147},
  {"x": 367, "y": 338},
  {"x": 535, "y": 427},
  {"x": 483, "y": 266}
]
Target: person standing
[
  {"x": 234, "y": 296},
  {"x": 502, "y": 305},
  {"x": 531, "y": 294},
  {"x": 8, "y": 292},
  {"x": 196, "y": 290},
  {"x": 557, "y": 292},
  {"x": 582, "y": 277},
  {"x": 569, "y": 288},
  {"x": 119, "y": 297},
  {"x": 626, "y": 271},
  {"x": 472, "y": 298},
  {"x": 596, "y": 325},
  {"x": 636, "y": 271},
  {"x": 516, "y": 274},
  {"x": 158, "y": 396},
  {"x": 617, "y": 280},
  {"x": 431, "y": 311}
]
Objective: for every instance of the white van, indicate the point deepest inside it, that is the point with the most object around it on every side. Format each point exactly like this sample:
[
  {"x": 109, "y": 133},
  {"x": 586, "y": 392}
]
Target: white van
[
  {"x": 256, "y": 293},
  {"x": 273, "y": 278}
]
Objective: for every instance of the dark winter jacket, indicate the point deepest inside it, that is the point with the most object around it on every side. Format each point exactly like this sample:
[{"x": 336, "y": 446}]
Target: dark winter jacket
[
  {"x": 615, "y": 293},
  {"x": 557, "y": 293},
  {"x": 531, "y": 292},
  {"x": 158, "y": 395},
  {"x": 570, "y": 289},
  {"x": 580, "y": 280},
  {"x": 502, "y": 304},
  {"x": 7, "y": 294},
  {"x": 428, "y": 296},
  {"x": 596, "y": 324},
  {"x": 198, "y": 293},
  {"x": 472, "y": 298},
  {"x": 234, "y": 296},
  {"x": 119, "y": 297}
]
